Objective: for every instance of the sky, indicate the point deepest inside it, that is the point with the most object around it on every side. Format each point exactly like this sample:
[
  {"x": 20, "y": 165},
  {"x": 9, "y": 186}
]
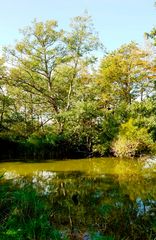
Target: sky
[{"x": 117, "y": 21}]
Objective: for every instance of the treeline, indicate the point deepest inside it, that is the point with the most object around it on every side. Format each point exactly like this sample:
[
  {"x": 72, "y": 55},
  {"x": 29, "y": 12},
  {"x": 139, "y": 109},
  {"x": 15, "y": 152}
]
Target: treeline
[{"x": 57, "y": 100}]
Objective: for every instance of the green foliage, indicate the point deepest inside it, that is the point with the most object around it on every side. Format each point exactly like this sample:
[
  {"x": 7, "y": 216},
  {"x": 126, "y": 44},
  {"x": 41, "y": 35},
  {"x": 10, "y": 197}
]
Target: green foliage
[
  {"x": 54, "y": 96},
  {"x": 146, "y": 115},
  {"x": 124, "y": 75},
  {"x": 132, "y": 141}
]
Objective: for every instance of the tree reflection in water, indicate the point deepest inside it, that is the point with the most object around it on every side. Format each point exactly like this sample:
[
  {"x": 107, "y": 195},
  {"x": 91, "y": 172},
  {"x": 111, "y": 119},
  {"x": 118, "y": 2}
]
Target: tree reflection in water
[
  {"x": 121, "y": 206},
  {"x": 108, "y": 204}
]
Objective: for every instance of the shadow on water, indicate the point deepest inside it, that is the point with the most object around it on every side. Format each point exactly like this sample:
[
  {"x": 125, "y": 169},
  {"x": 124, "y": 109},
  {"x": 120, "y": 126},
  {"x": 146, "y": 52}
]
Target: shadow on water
[{"x": 77, "y": 205}]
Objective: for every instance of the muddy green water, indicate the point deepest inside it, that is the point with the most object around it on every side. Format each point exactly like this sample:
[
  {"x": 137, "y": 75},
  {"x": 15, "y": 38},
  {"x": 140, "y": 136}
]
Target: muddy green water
[{"x": 110, "y": 196}]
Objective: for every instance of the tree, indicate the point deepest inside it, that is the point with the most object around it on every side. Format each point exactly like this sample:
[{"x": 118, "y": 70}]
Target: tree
[
  {"x": 5, "y": 100},
  {"x": 48, "y": 63},
  {"x": 124, "y": 75}
]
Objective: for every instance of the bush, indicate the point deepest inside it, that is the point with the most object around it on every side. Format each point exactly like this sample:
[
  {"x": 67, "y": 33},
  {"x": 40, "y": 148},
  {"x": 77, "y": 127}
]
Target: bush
[{"x": 132, "y": 141}]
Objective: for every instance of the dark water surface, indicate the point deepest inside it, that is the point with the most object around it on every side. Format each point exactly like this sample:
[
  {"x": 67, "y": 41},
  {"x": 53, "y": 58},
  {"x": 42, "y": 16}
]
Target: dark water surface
[{"x": 97, "y": 197}]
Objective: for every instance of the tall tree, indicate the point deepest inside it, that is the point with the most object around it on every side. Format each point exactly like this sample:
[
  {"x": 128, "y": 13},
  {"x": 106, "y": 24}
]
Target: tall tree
[
  {"x": 4, "y": 98},
  {"x": 48, "y": 63},
  {"x": 124, "y": 75}
]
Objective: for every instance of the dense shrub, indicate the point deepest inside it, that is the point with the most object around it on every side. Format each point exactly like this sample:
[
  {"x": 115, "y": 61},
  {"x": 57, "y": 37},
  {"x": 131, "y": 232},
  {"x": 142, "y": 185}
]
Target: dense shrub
[{"x": 132, "y": 141}]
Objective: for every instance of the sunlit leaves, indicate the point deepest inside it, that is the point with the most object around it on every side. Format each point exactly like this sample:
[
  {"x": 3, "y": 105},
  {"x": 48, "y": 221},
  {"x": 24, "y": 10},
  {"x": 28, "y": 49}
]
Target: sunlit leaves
[{"x": 125, "y": 74}]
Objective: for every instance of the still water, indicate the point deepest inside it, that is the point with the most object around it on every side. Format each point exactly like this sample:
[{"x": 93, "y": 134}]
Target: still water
[{"x": 107, "y": 196}]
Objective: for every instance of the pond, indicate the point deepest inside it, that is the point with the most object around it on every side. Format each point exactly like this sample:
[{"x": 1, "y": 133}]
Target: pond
[{"x": 106, "y": 198}]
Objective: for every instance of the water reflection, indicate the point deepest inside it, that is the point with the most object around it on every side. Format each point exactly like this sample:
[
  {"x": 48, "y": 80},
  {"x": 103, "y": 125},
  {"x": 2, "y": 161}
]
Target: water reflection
[{"x": 116, "y": 199}]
